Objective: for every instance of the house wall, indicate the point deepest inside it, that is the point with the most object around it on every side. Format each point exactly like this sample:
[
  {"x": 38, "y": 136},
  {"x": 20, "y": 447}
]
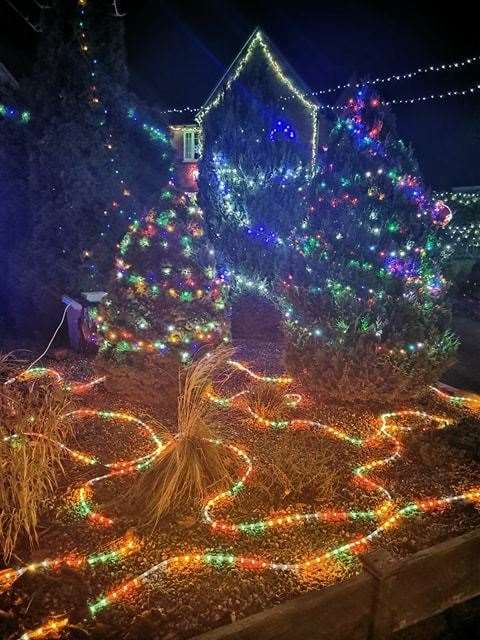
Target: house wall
[{"x": 186, "y": 173}]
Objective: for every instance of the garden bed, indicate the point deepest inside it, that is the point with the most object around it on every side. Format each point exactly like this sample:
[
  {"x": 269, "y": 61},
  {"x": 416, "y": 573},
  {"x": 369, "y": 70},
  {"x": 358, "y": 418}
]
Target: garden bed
[{"x": 298, "y": 468}]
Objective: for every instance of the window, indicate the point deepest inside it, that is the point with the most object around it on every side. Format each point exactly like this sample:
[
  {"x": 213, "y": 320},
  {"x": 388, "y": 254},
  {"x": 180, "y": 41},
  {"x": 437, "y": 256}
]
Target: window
[{"x": 191, "y": 141}]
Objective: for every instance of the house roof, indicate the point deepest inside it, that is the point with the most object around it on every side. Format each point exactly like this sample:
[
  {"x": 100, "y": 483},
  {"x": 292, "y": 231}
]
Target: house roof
[
  {"x": 287, "y": 75},
  {"x": 6, "y": 77},
  {"x": 183, "y": 118},
  {"x": 472, "y": 189}
]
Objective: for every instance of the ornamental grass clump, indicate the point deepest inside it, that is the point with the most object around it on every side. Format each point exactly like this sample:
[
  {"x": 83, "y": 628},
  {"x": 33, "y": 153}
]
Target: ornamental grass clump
[
  {"x": 296, "y": 465},
  {"x": 192, "y": 462},
  {"x": 267, "y": 406},
  {"x": 30, "y": 420}
]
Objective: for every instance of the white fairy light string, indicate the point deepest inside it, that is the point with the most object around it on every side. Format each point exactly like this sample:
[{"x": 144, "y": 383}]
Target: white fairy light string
[
  {"x": 386, "y": 79},
  {"x": 452, "y": 66}
]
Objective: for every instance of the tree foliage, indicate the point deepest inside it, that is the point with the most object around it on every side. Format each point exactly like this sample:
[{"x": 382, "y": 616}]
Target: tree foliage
[
  {"x": 254, "y": 171},
  {"x": 368, "y": 298},
  {"x": 14, "y": 218},
  {"x": 92, "y": 167},
  {"x": 165, "y": 297}
]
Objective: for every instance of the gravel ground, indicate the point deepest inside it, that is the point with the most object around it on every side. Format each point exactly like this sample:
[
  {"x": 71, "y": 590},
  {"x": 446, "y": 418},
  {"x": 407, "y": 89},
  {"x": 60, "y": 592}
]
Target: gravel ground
[{"x": 178, "y": 605}]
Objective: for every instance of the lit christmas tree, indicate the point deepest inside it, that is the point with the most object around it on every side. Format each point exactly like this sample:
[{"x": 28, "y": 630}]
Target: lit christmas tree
[
  {"x": 165, "y": 299},
  {"x": 91, "y": 169},
  {"x": 367, "y": 318},
  {"x": 260, "y": 131}
]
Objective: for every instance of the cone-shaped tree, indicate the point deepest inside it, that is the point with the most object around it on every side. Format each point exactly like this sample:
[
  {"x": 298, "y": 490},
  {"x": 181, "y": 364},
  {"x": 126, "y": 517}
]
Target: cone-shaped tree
[
  {"x": 255, "y": 166},
  {"x": 91, "y": 168},
  {"x": 368, "y": 318},
  {"x": 165, "y": 299}
]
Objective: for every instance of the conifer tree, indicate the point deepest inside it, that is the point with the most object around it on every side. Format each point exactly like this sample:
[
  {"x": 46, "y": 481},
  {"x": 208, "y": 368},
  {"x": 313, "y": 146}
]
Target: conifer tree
[
  {"x": 165, "y": 298},
  {"x": 165, "y": 303},
  {"x": 255, "y": 170},
  {"x": 92, "y": 169},
  {"x": 369, "y": 317},
  {"x": 14, "y": 218}
]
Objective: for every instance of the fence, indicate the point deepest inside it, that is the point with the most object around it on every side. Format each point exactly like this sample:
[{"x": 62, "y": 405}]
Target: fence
[{"x": 388, "y": 596}]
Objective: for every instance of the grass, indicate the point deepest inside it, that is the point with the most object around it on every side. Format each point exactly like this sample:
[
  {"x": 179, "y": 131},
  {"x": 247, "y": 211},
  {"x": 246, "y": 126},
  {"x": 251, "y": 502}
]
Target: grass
[
  {"x": 28, "y": 464},
  {"x": 296, "y": 466},
  {"x": 190, "y": 465},
  {"x": 267, "y": 401}
]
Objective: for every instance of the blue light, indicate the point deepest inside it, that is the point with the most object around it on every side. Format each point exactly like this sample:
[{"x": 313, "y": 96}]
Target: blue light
[{"x": 281, "y": 130}]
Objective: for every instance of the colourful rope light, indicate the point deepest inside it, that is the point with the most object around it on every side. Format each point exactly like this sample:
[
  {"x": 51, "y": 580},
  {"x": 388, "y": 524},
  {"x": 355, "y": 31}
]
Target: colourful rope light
[
  {"x": 471, "y": 400},
  {"x": 78, "y": 455},
  {"x": 121, "y": 467},
  {"x": 260, "y": 378},
  {"x": 220, "y": 560},
  {"x": 360, "y": 473},
  {"x": 50, "y": 627},
  {"x": 387, "y": 515},
  {"x": 75, "y": 561},
  {"x": 76, "y": 388}
]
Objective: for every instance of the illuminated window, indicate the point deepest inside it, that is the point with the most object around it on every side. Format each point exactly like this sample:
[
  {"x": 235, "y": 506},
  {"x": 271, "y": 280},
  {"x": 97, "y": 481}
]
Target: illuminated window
[{"x": 190, "y": 145}]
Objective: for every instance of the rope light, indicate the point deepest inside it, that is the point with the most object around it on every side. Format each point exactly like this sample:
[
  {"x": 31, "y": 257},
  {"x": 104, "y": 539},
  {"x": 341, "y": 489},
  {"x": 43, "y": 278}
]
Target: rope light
[{"x": 385, "y": 515}]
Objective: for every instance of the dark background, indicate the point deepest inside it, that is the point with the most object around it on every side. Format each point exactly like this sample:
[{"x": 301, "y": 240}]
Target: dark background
[{"x": 178, "y": 51}]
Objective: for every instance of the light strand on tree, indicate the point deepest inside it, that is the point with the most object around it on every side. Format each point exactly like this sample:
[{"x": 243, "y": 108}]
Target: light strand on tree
[
  {"x": 119, "y": 204},
  {"x": 11, "y": 113},
  {"x": 259, "y": 43},
  {"x": 154, "y": 132},
  {"x": 192, "y": 297}
]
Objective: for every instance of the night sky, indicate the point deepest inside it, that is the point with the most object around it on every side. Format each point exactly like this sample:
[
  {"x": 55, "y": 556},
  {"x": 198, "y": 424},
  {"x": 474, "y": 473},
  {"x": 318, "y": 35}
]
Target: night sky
[{"x": 179, "y": 50}]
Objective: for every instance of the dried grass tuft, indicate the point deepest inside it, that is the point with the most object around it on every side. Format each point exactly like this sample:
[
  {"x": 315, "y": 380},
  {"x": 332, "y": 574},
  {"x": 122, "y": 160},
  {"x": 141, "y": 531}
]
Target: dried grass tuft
[
  {"x": 266, "y": 400},
  {"x": 28, "y": 464},
  {"x": 298, "y": 466},
  {"x": 190, "y": 465}
]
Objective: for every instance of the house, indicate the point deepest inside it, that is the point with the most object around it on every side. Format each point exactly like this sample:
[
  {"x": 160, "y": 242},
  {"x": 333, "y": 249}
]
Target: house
[
  {"x": 470, "y": 190},
  {"x": 186, "y": 152},
  {"x": 292, "y": 108}
]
